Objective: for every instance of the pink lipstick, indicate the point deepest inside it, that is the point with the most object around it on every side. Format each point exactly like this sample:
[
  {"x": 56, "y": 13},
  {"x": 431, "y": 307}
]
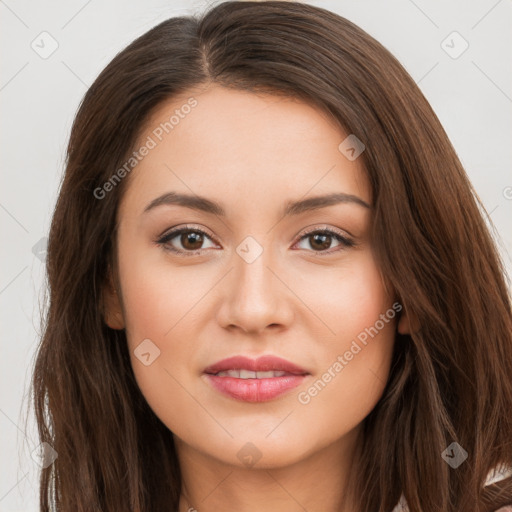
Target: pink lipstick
[{"x": 254, "y": 380}]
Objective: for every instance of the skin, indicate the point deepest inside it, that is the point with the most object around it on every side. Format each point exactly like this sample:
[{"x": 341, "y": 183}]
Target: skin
[{"x": 252, "y": 153}]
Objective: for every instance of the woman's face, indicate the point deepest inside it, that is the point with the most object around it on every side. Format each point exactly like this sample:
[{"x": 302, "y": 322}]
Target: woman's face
[{"x": 255, "y": 276}]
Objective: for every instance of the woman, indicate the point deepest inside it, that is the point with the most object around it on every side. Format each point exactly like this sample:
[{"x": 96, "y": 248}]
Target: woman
[{"x": 271, "y": 284}]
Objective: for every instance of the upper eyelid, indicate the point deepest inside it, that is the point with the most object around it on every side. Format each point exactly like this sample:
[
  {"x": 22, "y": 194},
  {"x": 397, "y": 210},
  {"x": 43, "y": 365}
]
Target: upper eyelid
[
  {"x": 338, "y": 231},
  {"x": 176, "y": 230}
]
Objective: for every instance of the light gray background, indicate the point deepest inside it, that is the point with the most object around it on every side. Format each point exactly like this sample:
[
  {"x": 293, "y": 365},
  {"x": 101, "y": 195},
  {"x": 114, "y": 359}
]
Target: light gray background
[{"x": 471, "y": 94}]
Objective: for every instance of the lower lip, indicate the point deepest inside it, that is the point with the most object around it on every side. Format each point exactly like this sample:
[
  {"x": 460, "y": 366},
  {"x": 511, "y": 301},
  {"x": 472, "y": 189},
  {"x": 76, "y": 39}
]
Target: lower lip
[{"x": 255, "y": 390}]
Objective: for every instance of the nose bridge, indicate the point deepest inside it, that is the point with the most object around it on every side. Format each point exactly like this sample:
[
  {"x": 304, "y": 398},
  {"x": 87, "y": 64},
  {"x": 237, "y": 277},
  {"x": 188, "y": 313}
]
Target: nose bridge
[
  {"x": 252, "y": 275},
  {"x": 256, "y": 298}
]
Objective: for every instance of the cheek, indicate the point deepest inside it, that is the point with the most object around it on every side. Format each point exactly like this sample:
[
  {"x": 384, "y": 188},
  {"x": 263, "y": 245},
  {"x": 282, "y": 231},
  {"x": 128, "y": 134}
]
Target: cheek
[
  {"x": 157, "y": 296},
  {"x": 348, "y": 298},
  {"x": 158, "y": 308},
  {"x": 354, "y": 360},
  {"x": 162, "y": 304},
  {"x": 350, "y": 382}
]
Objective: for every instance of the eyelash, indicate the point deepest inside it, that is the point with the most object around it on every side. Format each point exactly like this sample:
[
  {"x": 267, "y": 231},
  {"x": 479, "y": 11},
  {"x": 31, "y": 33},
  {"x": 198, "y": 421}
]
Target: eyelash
[{"x": 165, "y": 239}]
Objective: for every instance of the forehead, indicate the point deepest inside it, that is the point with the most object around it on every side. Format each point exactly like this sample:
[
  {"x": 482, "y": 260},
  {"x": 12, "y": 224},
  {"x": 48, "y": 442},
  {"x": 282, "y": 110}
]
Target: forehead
[{"x": 242, "y": 146}]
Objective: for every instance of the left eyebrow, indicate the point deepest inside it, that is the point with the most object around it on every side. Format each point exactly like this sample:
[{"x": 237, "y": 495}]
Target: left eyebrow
[
  {"x": 196, "y": 202},
  {"x": 314, "y": 203}
]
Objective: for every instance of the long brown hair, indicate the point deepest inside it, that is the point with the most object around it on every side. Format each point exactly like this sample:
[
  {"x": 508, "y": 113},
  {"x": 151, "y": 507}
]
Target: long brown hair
[{"x": 450, "y": 381}]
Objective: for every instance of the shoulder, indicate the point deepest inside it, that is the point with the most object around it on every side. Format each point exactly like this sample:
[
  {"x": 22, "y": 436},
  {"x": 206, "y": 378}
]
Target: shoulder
[
  {"x": 402, "y": 507},
  {"x": 495, "y": 475}
]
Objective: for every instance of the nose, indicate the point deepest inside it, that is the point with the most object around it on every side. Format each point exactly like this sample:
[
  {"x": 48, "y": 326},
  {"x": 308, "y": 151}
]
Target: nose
[{"x": 255, "y": 296}]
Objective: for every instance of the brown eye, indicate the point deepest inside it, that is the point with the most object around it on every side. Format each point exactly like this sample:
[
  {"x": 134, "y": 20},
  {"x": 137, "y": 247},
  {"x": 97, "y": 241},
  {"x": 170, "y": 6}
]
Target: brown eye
[
  {"x": 320, "y": 241},
  {"x": 190, "y": 240}
]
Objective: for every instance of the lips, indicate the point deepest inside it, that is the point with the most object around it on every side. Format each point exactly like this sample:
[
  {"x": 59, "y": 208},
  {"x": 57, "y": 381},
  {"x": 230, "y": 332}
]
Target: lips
[
  {"x": 262, "y": 364},
  {"x": 254, "y": 380}
]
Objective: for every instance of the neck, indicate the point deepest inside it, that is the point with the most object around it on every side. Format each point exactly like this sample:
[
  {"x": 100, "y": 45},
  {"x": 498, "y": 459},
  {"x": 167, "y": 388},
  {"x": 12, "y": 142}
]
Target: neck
[{"x": 320, "y": 482}]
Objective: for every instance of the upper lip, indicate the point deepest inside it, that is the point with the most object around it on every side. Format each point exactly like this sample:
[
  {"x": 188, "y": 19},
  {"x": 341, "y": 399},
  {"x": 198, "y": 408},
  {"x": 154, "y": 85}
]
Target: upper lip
[{"x": 261, "y": 364}]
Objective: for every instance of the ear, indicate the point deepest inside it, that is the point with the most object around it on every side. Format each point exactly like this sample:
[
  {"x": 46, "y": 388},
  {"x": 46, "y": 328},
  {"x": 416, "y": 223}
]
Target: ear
[
  {"x": 112, "y": 310},
  {"x": 408, "y": 323}
]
